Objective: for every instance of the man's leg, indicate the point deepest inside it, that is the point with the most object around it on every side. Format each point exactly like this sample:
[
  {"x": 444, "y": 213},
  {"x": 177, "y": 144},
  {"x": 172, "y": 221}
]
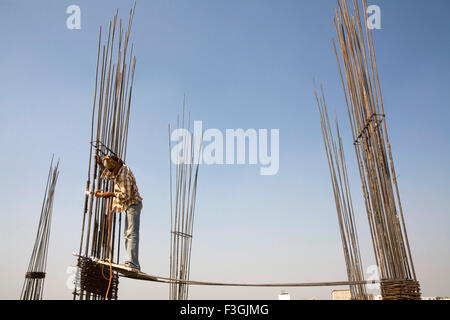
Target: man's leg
[{"x": 131, "y": 235}]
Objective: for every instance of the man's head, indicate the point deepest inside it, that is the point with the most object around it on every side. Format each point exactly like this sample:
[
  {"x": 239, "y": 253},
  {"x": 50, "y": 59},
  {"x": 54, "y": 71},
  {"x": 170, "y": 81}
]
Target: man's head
[{"x": 112, "y": 163}]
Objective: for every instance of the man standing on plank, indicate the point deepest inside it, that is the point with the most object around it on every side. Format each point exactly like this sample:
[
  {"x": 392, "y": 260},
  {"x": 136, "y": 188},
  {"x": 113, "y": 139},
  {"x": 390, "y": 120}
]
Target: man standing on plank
[{"x": 126, "y": 199}]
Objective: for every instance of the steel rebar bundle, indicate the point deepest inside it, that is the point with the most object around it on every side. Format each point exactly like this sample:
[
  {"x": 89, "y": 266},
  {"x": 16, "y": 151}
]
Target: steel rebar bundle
[
  {"x": 33, "y": 285},
  {"x": 183, "y": 192},
  {"x": 373, "y": 151},
  {"x": 100, "y": 232},
  {"x": 343, "y": 200}
]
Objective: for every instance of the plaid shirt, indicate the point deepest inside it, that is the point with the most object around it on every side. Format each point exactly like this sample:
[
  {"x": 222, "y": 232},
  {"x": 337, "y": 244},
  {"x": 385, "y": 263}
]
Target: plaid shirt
[{"x": 125, "y": 189}]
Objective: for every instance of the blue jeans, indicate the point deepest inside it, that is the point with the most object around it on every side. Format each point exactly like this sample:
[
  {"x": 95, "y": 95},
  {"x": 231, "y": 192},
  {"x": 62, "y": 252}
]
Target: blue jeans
[{"x": 131, "y": 235}]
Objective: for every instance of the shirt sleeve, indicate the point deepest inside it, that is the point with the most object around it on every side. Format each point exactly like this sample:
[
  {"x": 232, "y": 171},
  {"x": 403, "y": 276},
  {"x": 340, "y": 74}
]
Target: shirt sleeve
[{"x": 106, "y": 174}]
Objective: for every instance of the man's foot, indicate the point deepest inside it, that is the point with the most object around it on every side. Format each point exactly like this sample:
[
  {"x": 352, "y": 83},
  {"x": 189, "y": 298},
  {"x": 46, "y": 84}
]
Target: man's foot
[{"x": 132, "y": 266}]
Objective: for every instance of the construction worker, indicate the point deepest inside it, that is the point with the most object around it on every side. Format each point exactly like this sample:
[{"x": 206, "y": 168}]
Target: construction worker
[{"x": 126, "y": 199}]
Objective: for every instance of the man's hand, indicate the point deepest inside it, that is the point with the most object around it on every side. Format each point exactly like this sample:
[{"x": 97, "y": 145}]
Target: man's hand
[{"x": 100, "y": 194}]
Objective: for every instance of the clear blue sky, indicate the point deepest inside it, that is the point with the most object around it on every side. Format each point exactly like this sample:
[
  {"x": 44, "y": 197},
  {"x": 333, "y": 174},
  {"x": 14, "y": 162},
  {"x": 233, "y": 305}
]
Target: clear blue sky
[{"x": 242, "y": 64}]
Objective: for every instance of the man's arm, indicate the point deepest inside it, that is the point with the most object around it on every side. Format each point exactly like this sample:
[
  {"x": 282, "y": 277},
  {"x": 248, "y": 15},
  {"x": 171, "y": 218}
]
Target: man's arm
[
  {"x": 99, "y": 194},
  {"x": 99, "y": 162}
]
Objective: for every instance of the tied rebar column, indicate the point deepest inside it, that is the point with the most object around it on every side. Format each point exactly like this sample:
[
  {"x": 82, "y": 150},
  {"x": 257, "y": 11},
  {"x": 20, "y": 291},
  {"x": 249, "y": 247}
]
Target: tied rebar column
[
  {"x": 100, "y": 231},
  {"x": 33, "y": 286},
  {"x": 183, "y": 192},
  {"x": 343, "y": 200},
  {"x": 362, "y": 90}
]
